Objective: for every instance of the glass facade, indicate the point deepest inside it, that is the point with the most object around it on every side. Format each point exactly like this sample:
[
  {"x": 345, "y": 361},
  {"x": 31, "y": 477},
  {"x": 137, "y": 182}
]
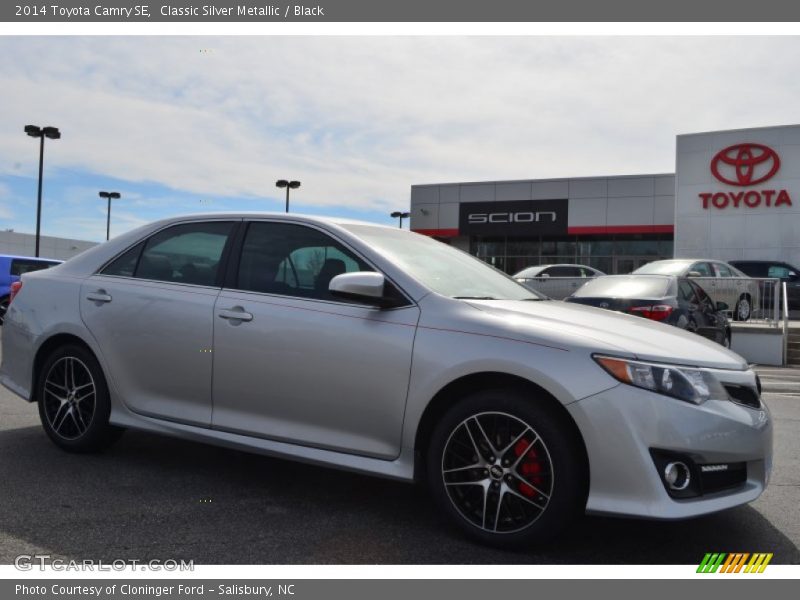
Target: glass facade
[{"x": 612, "y": 254}]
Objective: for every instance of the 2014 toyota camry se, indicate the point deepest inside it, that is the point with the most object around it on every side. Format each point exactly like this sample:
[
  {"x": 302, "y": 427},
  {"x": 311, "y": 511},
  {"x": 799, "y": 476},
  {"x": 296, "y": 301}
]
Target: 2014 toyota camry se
[{"x": 386, "y": 352}]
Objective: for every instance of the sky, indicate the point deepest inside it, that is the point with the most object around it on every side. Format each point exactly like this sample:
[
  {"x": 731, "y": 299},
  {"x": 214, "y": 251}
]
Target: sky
[{"x": 197, "y": 124}]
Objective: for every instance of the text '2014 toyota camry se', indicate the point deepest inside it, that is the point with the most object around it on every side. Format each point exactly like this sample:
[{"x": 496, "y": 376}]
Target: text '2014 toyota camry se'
[{"x": 386, "y": 352}]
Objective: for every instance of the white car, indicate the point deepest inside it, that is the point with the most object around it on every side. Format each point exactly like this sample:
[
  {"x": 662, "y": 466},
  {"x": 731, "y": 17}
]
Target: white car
[
  {"x": 556, "y": 281},
  {"x": 382, "y": 351}
]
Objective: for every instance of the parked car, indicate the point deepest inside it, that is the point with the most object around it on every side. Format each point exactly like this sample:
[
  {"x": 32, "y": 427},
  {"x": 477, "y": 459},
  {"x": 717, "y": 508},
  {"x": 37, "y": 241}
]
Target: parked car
[
  {"x": 382, "y": 351},
  {"x": 556, "y": 281},
  {"x": 11, "y": 267},
  {"x": 677, "y": 301},
  {"x": 720, "y": 280},
  {"x": 787, "y": 273}
]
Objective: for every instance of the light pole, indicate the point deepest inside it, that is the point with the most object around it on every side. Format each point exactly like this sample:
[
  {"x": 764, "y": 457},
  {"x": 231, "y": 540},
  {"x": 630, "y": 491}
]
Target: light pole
[
  {"x": 41, "y": 132},
  {"x": 110, "y": 196},
  {"x": 400, "y": 215},
  {"x": 283, "y": 183}
]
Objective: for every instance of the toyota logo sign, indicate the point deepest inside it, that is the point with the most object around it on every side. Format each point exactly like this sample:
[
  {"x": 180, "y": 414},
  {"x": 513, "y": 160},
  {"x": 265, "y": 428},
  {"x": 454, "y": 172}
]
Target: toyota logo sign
[{"x": 745, "y": 164}]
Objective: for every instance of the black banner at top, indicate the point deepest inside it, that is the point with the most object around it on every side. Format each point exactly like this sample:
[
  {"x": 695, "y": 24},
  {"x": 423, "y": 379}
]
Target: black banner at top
[
  {"x": 515, "y": 217},
  {"x": 400, "y": 11}
]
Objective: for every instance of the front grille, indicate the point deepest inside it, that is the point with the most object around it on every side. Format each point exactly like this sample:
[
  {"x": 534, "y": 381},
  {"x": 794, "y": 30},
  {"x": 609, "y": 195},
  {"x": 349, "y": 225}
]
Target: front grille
[
  {"x": 743, "y": 395},
  {"x": 715, "y": 478}
]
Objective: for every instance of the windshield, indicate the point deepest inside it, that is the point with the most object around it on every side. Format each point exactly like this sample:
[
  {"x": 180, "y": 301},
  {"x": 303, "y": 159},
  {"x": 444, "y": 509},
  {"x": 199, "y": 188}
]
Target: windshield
[
  {"x": 625, "y": 286},
  {"x": 663, "y": 267},
  {"x": 443, "y": 269}
]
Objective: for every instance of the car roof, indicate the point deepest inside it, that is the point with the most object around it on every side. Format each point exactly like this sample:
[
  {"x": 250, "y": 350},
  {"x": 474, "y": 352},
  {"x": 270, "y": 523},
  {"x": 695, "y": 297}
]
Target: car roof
[{"x": 272, "y": 214}]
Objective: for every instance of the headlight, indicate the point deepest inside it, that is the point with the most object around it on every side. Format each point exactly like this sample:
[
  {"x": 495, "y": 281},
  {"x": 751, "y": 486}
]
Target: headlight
[{"x": 684, "y": 383}]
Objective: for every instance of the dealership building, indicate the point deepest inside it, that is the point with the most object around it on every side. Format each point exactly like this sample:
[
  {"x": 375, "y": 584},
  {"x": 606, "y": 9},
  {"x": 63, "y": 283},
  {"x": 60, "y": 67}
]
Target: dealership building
[{"x": 734, "y": 195}]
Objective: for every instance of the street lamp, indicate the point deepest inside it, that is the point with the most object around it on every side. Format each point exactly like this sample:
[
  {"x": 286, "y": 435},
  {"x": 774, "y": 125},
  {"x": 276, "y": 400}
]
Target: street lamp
[
  {"x": 109, "y": 196},
  {"x": 400, "y": 215},
  {"x": 41, "y": 132},
  {"x": 283, "y": 183}
]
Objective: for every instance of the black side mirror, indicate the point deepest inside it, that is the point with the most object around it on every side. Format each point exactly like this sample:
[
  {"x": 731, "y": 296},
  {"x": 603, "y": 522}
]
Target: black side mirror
[{"x": 722, "y": 306}]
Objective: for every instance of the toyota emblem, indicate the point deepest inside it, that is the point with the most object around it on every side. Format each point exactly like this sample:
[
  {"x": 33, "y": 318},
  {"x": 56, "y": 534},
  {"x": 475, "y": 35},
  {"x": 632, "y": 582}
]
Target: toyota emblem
[{"x": 745, "y": 164}]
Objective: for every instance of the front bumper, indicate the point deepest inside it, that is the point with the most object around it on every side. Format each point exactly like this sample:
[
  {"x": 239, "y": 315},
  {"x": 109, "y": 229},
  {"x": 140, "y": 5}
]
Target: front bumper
[{"x": 622, "y": 425}]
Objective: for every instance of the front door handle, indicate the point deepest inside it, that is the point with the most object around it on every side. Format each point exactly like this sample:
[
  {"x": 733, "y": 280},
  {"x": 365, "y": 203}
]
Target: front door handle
[
  {"x": 237, "y": 313},
  {"x": 98, "y": 296}
]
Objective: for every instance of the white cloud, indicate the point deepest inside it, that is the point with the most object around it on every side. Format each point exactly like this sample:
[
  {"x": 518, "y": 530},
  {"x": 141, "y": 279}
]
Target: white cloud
[{"x": 359, "y": 120}]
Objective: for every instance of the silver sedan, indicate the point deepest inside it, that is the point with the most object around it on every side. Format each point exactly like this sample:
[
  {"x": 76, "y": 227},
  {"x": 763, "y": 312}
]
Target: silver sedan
[{"x": 385, "y": 352}]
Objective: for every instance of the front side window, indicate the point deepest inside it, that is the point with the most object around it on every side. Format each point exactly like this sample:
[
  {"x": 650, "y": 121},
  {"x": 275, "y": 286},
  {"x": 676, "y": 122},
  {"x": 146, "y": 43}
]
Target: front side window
[
  {"x": 188, "y": 253},
  {"x": 293, "y": 260}
]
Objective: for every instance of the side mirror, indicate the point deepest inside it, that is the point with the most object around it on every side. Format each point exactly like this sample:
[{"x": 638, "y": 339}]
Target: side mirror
[
  {"x": 722, "y": 307},
  {"x": 544, "y": 276},
  {"x": 695, "y": 274},
  {"x": 367, "y": 287}
]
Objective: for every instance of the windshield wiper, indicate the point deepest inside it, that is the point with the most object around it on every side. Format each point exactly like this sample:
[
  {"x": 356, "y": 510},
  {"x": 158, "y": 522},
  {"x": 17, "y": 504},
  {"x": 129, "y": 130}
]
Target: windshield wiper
[{"x": 474, "y": 297}]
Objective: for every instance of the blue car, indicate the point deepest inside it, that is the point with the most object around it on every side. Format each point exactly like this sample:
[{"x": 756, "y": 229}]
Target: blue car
[{"x": 11, "y": 267}]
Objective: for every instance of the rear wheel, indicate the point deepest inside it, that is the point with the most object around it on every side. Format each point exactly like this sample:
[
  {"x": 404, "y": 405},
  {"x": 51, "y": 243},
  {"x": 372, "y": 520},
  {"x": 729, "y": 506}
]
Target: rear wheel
[
  {"x": 743, "y": 308},
  {"x": 74, "y": 403},
  {"x": 507, "y": 471}
]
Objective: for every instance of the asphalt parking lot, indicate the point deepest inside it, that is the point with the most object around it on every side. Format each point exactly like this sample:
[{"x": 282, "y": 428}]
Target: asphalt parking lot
[{"x": 156, "y": 498}]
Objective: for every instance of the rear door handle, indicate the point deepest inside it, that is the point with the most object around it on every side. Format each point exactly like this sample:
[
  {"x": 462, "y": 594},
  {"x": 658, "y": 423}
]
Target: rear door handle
[
  {"x": 98, "y": 296},
  {"x": 235, "y": 314}
]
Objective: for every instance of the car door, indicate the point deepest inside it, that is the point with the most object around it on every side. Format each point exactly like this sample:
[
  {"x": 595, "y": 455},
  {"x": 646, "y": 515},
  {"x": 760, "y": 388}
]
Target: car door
[
  {"x": 295, "y": 364},
  {"x": 151, "y": 312}
]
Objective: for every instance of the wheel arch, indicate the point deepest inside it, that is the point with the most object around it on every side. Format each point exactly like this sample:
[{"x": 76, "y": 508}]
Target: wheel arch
[
  {"x": 47, "y": 347},
  {"x": 450, "y": 393}
]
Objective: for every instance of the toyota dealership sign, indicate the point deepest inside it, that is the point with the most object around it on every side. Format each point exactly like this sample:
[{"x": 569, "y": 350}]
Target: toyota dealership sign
[
  {"x": 736, "y": 194},
  {"x": 745, "y": 166}
]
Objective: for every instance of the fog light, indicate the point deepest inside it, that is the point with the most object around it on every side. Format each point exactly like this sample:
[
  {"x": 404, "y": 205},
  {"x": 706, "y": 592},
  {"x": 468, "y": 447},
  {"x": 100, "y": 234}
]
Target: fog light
[{"x": 677, "y": 476}]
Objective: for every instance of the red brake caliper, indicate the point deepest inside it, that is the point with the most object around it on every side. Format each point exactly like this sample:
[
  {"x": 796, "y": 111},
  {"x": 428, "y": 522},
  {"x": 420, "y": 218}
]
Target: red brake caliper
[{"x": 529, "y": 468}]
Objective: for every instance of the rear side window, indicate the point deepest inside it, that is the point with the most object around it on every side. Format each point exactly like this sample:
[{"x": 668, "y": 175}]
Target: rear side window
[
  {"x": 687, "y": 293},
  {"x": 704, "y": 269},
  {"x": 723, "y": 270},
  {"x": 125, "y": 265},
  {"x": 638, "y": 286},
  {"x": 20, "y": 266},
  {"x": 563, "y": 272},
  {"x": 188, "y": 253},
  {"x": 752, "y": 269}
]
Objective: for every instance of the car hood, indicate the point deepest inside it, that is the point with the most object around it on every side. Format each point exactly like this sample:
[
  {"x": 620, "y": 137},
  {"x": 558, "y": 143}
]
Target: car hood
[{"x": 602, "y": 330}]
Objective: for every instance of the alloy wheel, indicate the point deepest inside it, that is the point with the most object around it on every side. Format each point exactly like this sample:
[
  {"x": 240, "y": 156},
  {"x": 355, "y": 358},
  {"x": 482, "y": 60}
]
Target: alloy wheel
[
  {"x": 497, "y": 472},
  {"x": 743, "y": 309},
  {"x": 69, "y": 397}
]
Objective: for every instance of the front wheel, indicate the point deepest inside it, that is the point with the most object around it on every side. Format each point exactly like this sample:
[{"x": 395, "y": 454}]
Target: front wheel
[
  {"x": 74, "y": 403},
  {"x": 506, "y": 469}
]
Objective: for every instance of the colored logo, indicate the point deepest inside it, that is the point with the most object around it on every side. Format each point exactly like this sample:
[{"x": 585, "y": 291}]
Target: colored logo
[
  {"x": 745, "y": 164},
  {"x": 737, "y": 562}
]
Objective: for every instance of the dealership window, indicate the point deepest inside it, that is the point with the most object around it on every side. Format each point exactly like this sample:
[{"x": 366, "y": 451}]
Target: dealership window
[{"x": 609, "y": 254}]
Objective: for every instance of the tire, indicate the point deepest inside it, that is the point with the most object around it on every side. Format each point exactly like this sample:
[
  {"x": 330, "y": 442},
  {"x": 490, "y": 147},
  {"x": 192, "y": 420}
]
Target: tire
[
  {"x": 74, "y": 403},
  {"x": 743, "y": 309},
  {"x": 541, "y": 482},
  {"x": 3, "y": 309}
]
